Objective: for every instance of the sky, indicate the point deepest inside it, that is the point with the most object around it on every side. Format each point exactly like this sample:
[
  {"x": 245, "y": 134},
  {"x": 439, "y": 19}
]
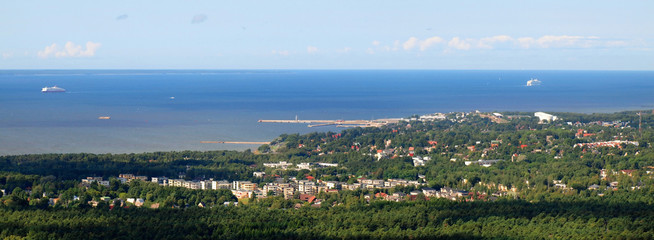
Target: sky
[{"x": 334, "y": 34}]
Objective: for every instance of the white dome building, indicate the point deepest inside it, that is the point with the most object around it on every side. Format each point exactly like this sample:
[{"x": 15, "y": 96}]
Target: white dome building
[{"x": 545, "y": 117}]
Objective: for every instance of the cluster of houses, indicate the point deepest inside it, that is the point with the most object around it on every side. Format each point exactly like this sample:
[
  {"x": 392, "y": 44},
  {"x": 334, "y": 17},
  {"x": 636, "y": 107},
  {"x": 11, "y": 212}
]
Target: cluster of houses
[
  {"x": 246, "y": 189},
  {"x": 427, "y": 192},
  {"x": 285, "y": 165},
  {"x": 615, "y": 143},
  {"x": 445, "y": 192},
  {"x": 604, "y": 175},
  {"x": 123, "y": 178},
  {"x": 302, "y": 189},
  {"x": 616, "y": 124}
]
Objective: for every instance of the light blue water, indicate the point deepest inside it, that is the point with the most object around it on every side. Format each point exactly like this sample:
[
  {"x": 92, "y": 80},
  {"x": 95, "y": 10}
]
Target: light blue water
[{"x": 225, "y": 105}]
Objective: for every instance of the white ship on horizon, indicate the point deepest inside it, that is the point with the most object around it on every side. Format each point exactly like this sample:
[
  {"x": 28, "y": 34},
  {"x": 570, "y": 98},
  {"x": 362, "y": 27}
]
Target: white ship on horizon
[
  {"x": 53, "y": 89},
  {"x": 533, "y": 82}
]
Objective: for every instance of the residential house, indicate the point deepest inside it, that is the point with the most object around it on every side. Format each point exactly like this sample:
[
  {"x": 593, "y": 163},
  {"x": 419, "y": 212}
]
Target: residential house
[
  {"x": 332, "y": 184},
  {"x": 223, "y": 184},
  {"x": 305, "y": 186},
  {"x": 429, "y": 191},
  {"x": 288, "y": 192},
  {"x": 238, "y": 185},
  {"x": 240, "y": 194},
  {"x": 594, "y": 187},
  {"x": 139, "y": 202},
  {"x": 306, "y": 166},
  {"x": 420, "y": 161},
  {"x": 248, "y": 186},
  {"x": 397, "y": 196},
  {"x": 271, "y": 187},
  {"x": 307, "y": 197},
  {"x": 160, "y": 180}
]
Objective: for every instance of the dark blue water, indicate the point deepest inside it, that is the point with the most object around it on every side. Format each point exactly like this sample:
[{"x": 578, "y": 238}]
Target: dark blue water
[{"x": 225, "y": 105}]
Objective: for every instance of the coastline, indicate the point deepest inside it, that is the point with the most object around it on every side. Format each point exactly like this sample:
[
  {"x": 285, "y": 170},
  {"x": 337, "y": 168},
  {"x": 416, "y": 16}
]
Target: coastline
[{"x": 226, "y": 105}]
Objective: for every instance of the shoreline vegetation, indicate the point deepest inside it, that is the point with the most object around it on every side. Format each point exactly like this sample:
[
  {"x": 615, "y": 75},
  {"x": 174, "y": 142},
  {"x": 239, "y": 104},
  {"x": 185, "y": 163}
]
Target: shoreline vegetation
[{"x": 509, "y": 175}]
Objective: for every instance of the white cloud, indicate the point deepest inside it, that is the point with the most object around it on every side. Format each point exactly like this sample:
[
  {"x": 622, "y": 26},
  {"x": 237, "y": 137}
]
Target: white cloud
[
  {"x": 564, "y": 41},
  {"x": 526, "y": 42},
  {"x": 69, "y": 50},
  {"x": 375, "y": 43},
  {"x": 489, "y": 42},
  {"x": 430, "y": 41},
  {"x": 312, "y": 49},
  {"x": 49, "y": 50},
  {"x": 558, "y": 41},
  {"x": 6, "y": 55},
  {"x": 199, "y": 18},
  {"x": 370, "y": 51},
  {"x": 409, "y": 44},
  {"x": 413, "y": 42},
  {"x": 506, "y": 42},
  {"x": 459, "y": 44}
]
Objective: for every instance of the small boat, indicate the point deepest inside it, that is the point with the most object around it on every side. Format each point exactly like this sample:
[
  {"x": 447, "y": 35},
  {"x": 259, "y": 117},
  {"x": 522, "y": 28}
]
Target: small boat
[
  {"x": 53, "y": 89},
  {"x": 104, "y": 117}
]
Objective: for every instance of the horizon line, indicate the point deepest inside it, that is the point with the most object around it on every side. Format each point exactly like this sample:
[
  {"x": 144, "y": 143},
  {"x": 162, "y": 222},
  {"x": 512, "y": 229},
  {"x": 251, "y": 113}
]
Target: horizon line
[{"x": 308, "y": 69}]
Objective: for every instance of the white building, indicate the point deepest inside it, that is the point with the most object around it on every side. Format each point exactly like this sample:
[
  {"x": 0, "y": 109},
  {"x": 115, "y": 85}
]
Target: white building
[
  {"x": 545, "y": 117},
  {"x": 206, "y": 185},
  {"x": 328, "y": 164},
  {"x": 485, "y": 163},
  {"x": 420, "y": 161},
  {"x": 99, "y": 180},
  {"x": 282, "y": 165},
  {"x": 306, "y": 166},
  {"x": 432, "y": 117},
  {"x": 243, "y": 185}
]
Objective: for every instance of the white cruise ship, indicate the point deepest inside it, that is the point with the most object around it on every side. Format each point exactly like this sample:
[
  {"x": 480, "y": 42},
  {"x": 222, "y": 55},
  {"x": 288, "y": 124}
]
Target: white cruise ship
[
  {"x": 533, "y": 82},
  {"x": 53, "y": 89}
]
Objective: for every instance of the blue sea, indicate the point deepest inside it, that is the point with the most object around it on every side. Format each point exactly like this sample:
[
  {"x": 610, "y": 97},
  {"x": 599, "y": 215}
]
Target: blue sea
[{"x": 174, "y": 110}]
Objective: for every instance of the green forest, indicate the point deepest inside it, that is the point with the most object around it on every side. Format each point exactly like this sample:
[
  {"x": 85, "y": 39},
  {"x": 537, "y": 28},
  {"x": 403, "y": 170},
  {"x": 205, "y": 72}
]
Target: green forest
[{"x": 584, "y": 176}]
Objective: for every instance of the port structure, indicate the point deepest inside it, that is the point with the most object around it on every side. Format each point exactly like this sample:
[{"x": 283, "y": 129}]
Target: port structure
[
  {"x": 321, "y": 123},
  {"x": 338, "y": 123},
  {"x": 232, "y": 142}
]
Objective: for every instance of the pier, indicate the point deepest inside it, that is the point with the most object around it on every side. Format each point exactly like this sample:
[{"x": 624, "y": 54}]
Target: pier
[
  {"x": 339, "y": 123},
  {"x": 231, "y": 142}
]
